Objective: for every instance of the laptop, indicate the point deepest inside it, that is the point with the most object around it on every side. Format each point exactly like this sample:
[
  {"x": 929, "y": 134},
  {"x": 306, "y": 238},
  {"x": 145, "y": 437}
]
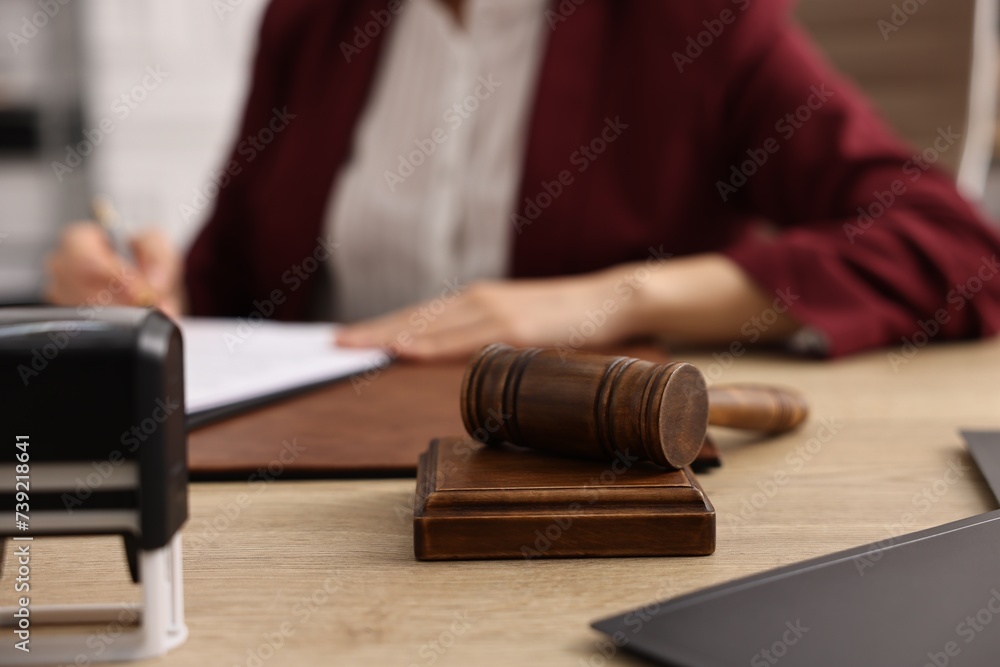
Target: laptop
[{"x": 927, "y": 599}]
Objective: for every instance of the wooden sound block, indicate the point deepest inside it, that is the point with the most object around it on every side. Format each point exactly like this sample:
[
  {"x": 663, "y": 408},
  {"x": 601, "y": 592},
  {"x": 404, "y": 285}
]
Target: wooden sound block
[{"x": 479, "y": 502}]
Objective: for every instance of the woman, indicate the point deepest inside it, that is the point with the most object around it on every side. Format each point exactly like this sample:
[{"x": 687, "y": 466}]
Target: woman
[{"x": 575, "y": 172}]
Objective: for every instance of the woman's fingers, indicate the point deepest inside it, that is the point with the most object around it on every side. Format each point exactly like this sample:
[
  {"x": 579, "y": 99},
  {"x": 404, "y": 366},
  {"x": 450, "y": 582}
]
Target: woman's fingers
[
  {"x": 377, "y": 332},
  {"x": 161, "y": 266},
  {"x": 157, "y": 259},
  {"x": 84, "y": 269},
  {"x": 410, "y": 324},
  {"x": 524, "y": 313},
  {"x": 455, "y": 343}
]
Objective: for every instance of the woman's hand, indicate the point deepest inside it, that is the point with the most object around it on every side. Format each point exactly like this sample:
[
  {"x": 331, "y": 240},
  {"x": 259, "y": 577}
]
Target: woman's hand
[
  {"x": 85, "y": 270},
  {"x": 581, "y": 311},
  {"x": 702, "y": 299}
]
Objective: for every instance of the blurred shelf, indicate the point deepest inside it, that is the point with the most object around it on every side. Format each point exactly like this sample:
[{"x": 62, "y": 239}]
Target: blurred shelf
[{"x": 20, "y": 131}]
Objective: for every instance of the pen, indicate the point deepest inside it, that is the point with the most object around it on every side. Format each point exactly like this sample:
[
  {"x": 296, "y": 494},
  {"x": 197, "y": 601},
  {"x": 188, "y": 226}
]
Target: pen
[
  {"x": 107, "y": 217},
  {"x": 110, "y": 221}
]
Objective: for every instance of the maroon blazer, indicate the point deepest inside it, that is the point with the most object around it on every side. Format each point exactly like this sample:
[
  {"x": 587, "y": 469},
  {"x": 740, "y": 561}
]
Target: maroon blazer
[{"x": 687, "y": 127}]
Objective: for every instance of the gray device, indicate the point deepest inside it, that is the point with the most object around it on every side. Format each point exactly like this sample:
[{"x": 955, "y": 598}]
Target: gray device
[{"x": 927, "y": 599}]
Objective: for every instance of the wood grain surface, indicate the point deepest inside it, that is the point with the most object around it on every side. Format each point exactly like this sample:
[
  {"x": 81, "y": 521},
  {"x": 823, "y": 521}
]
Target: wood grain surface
[{"x": 331, "y": 563}]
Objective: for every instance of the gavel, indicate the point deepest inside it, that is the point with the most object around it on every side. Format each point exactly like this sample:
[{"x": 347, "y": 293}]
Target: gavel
[{"x": 596, "y": 406}]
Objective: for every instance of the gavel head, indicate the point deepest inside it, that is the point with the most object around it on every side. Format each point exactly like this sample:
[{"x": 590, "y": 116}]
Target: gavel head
[{"x": 586, "y": 405}]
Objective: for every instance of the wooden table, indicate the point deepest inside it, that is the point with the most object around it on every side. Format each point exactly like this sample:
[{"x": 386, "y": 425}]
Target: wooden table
[{"x": 322, "y": 573}]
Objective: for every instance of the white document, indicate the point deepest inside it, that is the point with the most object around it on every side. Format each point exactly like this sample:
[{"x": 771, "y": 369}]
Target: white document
[{"x": 229, "y": 361}]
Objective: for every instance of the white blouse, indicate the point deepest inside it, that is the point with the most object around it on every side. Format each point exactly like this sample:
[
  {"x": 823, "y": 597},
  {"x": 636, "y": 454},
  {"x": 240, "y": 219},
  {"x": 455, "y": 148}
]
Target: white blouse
[{"x": 423, "y": 205}]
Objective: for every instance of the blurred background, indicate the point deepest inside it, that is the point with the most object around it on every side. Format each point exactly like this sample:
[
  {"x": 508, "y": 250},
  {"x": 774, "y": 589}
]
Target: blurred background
[{"x": 139, "y": 100}]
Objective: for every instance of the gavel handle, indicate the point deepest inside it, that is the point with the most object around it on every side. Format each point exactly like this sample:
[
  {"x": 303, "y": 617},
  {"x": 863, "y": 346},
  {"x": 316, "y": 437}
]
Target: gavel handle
[{"x": 755, "y": 407}]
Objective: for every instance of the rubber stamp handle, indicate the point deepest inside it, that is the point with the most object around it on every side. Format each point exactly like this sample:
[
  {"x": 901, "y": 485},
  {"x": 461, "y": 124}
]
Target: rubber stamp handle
[{"x": 755, "y": 407}]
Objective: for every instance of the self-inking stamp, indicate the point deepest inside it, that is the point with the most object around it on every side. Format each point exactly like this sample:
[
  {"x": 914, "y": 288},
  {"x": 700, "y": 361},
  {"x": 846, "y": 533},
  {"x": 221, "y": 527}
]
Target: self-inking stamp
[{"x": 94, "y": 443}]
